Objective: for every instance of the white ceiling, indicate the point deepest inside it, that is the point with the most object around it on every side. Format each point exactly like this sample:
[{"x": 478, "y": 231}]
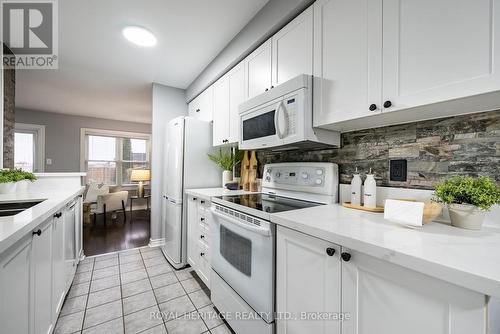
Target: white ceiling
[{"x": 103, "y": 75}]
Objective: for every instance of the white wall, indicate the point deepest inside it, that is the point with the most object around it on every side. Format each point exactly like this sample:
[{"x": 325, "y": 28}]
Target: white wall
[
  {"x": 168, "y": 103},
  {"x": 272, "y": 17}
]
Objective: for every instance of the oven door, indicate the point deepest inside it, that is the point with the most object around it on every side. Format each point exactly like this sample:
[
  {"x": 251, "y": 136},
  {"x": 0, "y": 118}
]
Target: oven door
[
  {"x": 243, "y": 256},
  {"x": 263, "y": 126}
]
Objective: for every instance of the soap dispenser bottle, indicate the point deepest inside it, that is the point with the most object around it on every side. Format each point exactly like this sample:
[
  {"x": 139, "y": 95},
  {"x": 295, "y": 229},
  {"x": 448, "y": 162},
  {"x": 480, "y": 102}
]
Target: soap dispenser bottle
[
  {"x": 370, "y": 191},
  {"x": 356, "y": 188}
]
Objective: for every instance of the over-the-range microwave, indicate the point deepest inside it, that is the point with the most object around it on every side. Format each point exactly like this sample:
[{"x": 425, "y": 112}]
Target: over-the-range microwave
[{"x": 281, "y": 119}]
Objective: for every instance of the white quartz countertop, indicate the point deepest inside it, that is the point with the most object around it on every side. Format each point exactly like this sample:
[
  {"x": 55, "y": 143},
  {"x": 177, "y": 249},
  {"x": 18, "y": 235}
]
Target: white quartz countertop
[
  {"x": 466, "y": 258},
  {"x": 207, "y": 193},
  {"x": 14, "y": 228}
]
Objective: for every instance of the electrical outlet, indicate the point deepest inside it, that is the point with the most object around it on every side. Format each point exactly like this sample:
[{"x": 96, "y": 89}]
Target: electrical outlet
[
  {"x": 48, "y": 161},
  {"x": 397, "y": 170}
]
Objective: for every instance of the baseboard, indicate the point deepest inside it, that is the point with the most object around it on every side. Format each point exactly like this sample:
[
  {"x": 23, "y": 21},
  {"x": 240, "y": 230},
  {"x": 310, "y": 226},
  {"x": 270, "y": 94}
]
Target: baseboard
[{"x": 156, "y": 242}]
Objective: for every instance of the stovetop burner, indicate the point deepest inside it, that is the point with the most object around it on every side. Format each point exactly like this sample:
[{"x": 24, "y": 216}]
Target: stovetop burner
[{"x": 268, "y": 203}]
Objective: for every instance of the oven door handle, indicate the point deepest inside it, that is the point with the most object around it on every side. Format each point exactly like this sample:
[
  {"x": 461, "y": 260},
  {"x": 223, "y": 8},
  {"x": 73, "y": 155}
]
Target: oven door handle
[{"x": 260, "y": 230}]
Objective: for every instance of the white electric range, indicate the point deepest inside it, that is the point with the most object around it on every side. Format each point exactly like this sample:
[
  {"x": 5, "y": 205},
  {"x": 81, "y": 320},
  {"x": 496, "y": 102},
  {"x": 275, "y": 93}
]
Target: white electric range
[{"x": 243, "y": 240}]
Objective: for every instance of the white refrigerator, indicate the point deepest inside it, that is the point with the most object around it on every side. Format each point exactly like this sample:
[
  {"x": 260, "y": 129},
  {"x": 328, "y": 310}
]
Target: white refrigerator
[{"x": 186, "y": 165}]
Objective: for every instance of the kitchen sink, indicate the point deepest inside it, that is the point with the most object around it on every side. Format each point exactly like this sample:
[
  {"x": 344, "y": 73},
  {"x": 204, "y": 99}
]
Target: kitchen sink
[{"x": 13, "y": 208}]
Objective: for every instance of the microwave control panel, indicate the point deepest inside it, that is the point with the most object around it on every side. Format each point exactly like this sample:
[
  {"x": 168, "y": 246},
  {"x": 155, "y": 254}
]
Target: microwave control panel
[{"x": 291, "y": 114}]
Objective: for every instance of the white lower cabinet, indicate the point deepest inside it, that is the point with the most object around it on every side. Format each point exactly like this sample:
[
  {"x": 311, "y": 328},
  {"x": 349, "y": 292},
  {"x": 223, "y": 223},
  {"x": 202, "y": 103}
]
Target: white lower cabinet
[
  {"x": 198, "y": 247},
  {"x": 15, "y": 289},
  {"x": 41, "y": 264},
  {"x": 373, "y": 295},
  {"x": 308, "y": 282},
  {"x": 33, "y": 277},
  {"x": 58, "y": 264}
]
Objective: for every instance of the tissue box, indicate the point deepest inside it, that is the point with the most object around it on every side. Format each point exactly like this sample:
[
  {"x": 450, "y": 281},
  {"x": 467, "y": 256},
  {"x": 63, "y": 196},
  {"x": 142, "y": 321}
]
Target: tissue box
[{"x": 411, "y": 213}]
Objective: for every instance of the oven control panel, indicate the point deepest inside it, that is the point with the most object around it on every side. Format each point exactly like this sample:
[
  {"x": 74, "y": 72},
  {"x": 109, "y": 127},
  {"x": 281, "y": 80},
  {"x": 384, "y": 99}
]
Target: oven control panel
[{"x": 314, "y": 177}]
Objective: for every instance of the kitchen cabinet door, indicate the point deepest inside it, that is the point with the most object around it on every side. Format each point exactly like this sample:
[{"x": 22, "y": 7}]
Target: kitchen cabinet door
[
  {"x": 381, "y": 297},
  {"x": 258, "y": 70},
  {"x": 221, "y": 111},
  {"x": 347, "y": 59},
  {"x": 59, "y": 274},
  {"x": 293, "y": 48},
  {"x": 236, "y": 97},
  {"x": 42, "y": 279},
  {"x": 192, "y": 231},
  {"x": 202, "y": 106},
  {"x": 15, "y": 311},
  {"x": 308, "y": 279},
  {"x": 438, "y": 50}
]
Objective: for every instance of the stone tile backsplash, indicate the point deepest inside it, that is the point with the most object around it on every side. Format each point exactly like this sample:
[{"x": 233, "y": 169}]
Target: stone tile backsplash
[
  {"x": 434, "y": 149},
  {"x": 9, "y": 114}
]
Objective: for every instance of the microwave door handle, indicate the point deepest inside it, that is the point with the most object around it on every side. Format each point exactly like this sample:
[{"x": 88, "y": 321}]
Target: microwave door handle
[
  {"x": 276, "y": 120},
  {"x": 260, "y": 230}
]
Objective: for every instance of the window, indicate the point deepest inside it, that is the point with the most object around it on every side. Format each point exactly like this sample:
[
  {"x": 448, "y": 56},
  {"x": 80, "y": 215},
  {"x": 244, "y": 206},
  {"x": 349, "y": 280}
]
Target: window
[
  {"x": 109, "y": 156},
  {"x": 29, "y": 141}
]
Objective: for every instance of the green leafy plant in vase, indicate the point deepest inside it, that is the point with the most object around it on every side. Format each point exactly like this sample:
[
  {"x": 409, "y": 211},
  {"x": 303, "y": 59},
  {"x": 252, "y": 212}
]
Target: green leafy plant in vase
[
  {"x": 14, "y": 179},
  {"x": 468, "y": 199},
  {"x": 226, "y": 160}
]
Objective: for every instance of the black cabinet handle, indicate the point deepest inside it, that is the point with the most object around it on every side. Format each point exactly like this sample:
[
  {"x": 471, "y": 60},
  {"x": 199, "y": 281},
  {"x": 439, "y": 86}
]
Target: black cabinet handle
[
  {"x": 197, "y": 110},
  {"x": 373, "y": 107},
  {"x": 202, "y": 219},
  {"x": 387, "y": 104},
  {"x": 345, "y": 256},
  {"x": 202, "y": 236},
  {"x": 267, "y": 89},
  {"x": 202, "y": 254},
  {"x": 58, "y": 215},
  {"x": 202, "y": 202},
  {"x": 330, "y": 251},
  {"x": 37, "y": 232},
  {"x": 194, "y": 198},
  {"x": 272, "y": 87}
]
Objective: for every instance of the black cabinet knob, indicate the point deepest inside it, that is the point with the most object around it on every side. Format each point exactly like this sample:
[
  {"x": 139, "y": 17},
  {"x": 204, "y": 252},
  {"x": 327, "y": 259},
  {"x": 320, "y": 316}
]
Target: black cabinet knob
[
  {"x": 345, "y": 256},
  {"x": 58, "y": 215},
  {"x": 197, "y": 110},
  {"x": 267, "y": 89},
  {"x": 202, "y": 219},
  {"x": 373, "y": 107},
  {"x": 387, "y": 104},
  {"x": 330, "y": 251},
  {"x": 37, "y": 232},
  {"x": 202, "y": 202},
  {"x": 194, "y": 198},
  {"x": 202, "y": 254},
  {"x": 202, "y": 236},
  {"x": 272, "y": 87}
]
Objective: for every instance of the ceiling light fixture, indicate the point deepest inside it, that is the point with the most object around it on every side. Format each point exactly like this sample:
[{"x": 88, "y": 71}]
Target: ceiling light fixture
[{"x": 139, "y": 36}]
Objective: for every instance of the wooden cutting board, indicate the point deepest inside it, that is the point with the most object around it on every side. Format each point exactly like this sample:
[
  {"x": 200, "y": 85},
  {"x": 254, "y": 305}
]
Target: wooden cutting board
[
  {"x": 244, "y": 170},
  {"x": 252, "y": 174}
]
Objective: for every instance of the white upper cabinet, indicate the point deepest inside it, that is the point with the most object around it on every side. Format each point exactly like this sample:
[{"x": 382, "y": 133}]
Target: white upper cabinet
[
  {"x": 221, "y": 111},
  {"x": 236, "y": 97},
  {"x": 308, "y": 274},
  {"x": 258, "y": 70},
  {"x": 292, "y": 49},
  {"x": 202, "y": 106},
  {"x": 438, "y": 50},
  {"x": 347, "y": 59}
]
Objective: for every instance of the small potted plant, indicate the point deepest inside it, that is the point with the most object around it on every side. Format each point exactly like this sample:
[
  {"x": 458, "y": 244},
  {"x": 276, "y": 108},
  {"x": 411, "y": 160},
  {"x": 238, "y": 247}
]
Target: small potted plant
[
  {"x": 226, "y": 161},
  {"x": 12, "y": 180},
  {"x": 468, "y": 199}
]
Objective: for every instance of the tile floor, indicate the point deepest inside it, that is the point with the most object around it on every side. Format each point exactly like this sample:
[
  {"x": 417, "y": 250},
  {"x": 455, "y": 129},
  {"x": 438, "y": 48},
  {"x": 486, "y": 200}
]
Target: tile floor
[{"x": 137, "y": 291}]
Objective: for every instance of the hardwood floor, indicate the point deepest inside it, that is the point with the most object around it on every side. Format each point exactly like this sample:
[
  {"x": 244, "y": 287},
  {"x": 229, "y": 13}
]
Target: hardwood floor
[{"x": 116, "y": 235}]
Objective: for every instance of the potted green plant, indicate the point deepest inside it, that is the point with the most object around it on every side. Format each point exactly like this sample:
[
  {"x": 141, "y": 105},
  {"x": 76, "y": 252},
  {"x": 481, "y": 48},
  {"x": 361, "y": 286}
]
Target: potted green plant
[
  {"x": 12, "y": 180},
  {"x": 468, "y": 199},
  {"x": 226, "y": 160}
]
